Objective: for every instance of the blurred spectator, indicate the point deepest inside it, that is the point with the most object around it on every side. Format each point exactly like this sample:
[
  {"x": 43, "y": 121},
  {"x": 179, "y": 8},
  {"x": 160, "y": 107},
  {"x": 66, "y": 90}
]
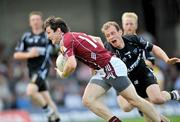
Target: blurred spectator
[
  {"x": 5, "y": 95},
  {"x": 159, "y": 76},
  {"x": 147, "y": 36},
  {"x": 83, "y": 73},
  {"x": 177, "y": 81},
  {"x": 72, "y": 95}
]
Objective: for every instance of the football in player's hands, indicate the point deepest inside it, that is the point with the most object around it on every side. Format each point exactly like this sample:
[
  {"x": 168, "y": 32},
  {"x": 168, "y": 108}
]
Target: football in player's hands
[{"x": 60, "y": 62}]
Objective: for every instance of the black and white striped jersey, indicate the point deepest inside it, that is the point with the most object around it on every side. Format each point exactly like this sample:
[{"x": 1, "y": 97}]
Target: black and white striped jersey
[
  {"x": 132, "y": 53},
  {"x": 44, "y": 46}
]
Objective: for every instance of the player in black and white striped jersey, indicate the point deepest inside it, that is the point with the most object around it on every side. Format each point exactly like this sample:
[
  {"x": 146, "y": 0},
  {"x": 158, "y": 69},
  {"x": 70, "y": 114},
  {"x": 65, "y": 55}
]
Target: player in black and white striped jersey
[{"x": 35, "y": 47}]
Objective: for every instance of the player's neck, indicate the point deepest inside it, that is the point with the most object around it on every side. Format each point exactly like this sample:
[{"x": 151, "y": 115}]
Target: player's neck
[{"x": 37, "y": 31}]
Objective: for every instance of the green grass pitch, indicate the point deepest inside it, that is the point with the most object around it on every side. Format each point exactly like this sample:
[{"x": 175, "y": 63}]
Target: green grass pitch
[{"x": 172, "y": 118}]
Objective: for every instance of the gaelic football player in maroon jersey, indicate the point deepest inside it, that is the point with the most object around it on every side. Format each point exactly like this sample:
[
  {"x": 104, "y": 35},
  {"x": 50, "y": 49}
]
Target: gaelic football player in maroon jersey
[{"x": 110, "y": 68}]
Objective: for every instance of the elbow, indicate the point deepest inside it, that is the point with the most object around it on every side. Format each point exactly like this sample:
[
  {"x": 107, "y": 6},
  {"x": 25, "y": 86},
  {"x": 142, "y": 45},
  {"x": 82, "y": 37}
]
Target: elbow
[
  {"x": 15, "y": 56},
  {"x": 156, "y": 48}
]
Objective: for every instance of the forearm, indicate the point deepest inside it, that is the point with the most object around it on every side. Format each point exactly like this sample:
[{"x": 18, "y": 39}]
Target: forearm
[
  {"x": 69, "y": 67},
  {"x": 159, "y": 53},
  {"x": 21, "y": 55}
]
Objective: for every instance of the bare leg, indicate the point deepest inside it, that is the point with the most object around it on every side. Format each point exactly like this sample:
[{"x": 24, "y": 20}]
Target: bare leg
[
  {"x": 37, "y": 98},
  {"x": 49, "y": 100},
  {"x": 91, "y": 100},
  {"x": 157, "y": 96},
  {"x": 124, "y": 104},
  {"x": 130, "y": 94},
  {"x": 55, "y": 114},
  {"x": 163, "y": 118}
]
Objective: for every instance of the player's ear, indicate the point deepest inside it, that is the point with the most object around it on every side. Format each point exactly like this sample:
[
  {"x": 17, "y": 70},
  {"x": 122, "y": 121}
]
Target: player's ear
[
  {"x": 120, "y": 32},
  {"x": 136, "y": 25}
]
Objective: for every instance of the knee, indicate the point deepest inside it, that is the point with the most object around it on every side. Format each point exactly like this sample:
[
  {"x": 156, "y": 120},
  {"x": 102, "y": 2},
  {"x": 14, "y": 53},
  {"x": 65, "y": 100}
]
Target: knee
[
  {"x": 135, "y": 101},
  {"x": 124, "y": 105},
  {"x": 127, "y": 108},
  {"x": 157, "y": 100},
  {"x": 31, "y": 90},
  {"x": 87, "y": 101}
]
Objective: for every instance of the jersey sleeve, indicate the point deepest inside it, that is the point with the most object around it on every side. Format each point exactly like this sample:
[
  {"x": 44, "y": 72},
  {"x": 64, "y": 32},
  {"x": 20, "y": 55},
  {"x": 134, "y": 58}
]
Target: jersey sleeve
[
  {"x": 149, "y": 56},
  {"x": 68, "y": 47},
  {"x": 20, "y": 47},
  {"x": 144, "y": 44}
]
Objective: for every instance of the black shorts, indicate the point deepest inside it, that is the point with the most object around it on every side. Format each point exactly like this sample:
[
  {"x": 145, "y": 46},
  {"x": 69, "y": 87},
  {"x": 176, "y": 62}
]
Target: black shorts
[
  {"x": 142, "y": 77},
  {"x": 38, "y": 77}
]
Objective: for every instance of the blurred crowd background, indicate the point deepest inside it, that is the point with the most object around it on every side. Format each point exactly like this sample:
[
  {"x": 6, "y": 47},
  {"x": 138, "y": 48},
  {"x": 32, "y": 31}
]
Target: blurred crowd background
[{"x": 159, "y": 23}]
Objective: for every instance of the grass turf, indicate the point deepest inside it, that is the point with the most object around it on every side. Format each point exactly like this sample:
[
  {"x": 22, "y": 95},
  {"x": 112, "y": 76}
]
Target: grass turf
[{"x": 172, "y": 118}]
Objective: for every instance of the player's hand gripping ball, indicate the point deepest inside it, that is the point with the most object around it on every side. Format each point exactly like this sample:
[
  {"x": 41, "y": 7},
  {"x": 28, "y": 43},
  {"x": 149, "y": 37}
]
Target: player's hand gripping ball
[{"x": 60, "y": 62}]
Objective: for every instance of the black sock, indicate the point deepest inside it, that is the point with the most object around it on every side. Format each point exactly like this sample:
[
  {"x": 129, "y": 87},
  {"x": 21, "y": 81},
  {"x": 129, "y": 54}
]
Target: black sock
[
  {"x": 115, "y": 119},
  {"x": 47, "y": 110},
  {"x": 45, "y": 107}
]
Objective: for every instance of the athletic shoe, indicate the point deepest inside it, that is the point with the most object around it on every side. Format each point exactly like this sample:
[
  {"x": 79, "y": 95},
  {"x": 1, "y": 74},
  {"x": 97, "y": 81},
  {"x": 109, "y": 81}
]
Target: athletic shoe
[
  {"x": 54, "y": 117},
  {"x": 176, "y": 94}
]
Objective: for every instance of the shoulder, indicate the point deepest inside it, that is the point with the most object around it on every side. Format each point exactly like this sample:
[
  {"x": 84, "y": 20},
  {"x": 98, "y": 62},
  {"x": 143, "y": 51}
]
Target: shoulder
[
  {"x": 67, "y": 39},
  {"x": 26, "y": 34},
  {"x": 68, "y": 36},
  {"x": 44, "y": 34},
  {"x": 131, "y": 37}
]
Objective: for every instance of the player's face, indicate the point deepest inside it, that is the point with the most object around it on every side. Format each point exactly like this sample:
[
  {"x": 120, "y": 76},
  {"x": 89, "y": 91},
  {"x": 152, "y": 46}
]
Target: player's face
[
  {"x": 113, "y": 36},
  {"x": 56, "y": 36},
  {"x": 129, "y": 26},
  {"x": 35, "y": 22}
]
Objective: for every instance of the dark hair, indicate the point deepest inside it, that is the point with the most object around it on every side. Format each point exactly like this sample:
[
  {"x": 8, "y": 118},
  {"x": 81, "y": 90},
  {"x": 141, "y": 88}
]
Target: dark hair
[
  {"x": 36, "y": 13},
  {"x": 55, "y": 23}
]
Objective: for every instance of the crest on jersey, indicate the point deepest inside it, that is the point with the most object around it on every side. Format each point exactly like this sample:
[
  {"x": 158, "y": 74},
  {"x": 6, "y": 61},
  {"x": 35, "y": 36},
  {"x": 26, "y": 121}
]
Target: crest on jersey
[{"x": 93, "y": 55}]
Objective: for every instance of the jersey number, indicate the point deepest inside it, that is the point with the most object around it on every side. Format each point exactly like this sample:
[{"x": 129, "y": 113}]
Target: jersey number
[{"x": 88, "y": 40}]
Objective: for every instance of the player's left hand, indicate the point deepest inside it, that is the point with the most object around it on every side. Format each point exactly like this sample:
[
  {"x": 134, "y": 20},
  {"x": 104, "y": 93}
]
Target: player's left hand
[
  {"x": 59, "y": 73},
  {"x": 173, "y": 60}
]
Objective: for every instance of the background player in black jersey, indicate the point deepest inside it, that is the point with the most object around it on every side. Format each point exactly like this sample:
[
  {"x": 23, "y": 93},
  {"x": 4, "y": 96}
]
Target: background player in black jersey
[
  {"x": 36, "y": 48},
  {"x": 130, "y": 26},
  {"x": 130, "y": 49}
]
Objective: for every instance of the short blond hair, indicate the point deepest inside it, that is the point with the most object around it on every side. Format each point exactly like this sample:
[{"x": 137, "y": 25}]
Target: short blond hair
[
  {"x": 130, "y": 15},
  {"x": 108, "y": 24}
]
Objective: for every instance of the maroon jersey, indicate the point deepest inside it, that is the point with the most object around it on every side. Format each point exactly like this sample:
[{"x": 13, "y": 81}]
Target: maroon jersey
[{"x": 86, "y": 49}]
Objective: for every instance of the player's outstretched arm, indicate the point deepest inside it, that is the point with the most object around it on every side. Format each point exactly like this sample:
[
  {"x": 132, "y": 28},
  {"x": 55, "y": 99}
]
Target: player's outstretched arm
[
  {"x": 21, "y": 55},
  {"x": 26, "y": 55},
  {"x": 69, "y": 67},
  {"x": 158, "y": 52}
]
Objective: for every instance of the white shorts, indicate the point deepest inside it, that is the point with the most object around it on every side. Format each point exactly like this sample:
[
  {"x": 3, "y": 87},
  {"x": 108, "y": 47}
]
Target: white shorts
[{"x": 114, "y": 74}]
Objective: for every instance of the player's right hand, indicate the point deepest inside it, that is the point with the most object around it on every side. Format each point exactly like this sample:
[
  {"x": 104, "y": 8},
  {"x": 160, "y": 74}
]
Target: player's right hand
[
  {"x": 33, "y": 53},
  {"x": 59, "y": 73},
  {"x": 173, "y": 60}
]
